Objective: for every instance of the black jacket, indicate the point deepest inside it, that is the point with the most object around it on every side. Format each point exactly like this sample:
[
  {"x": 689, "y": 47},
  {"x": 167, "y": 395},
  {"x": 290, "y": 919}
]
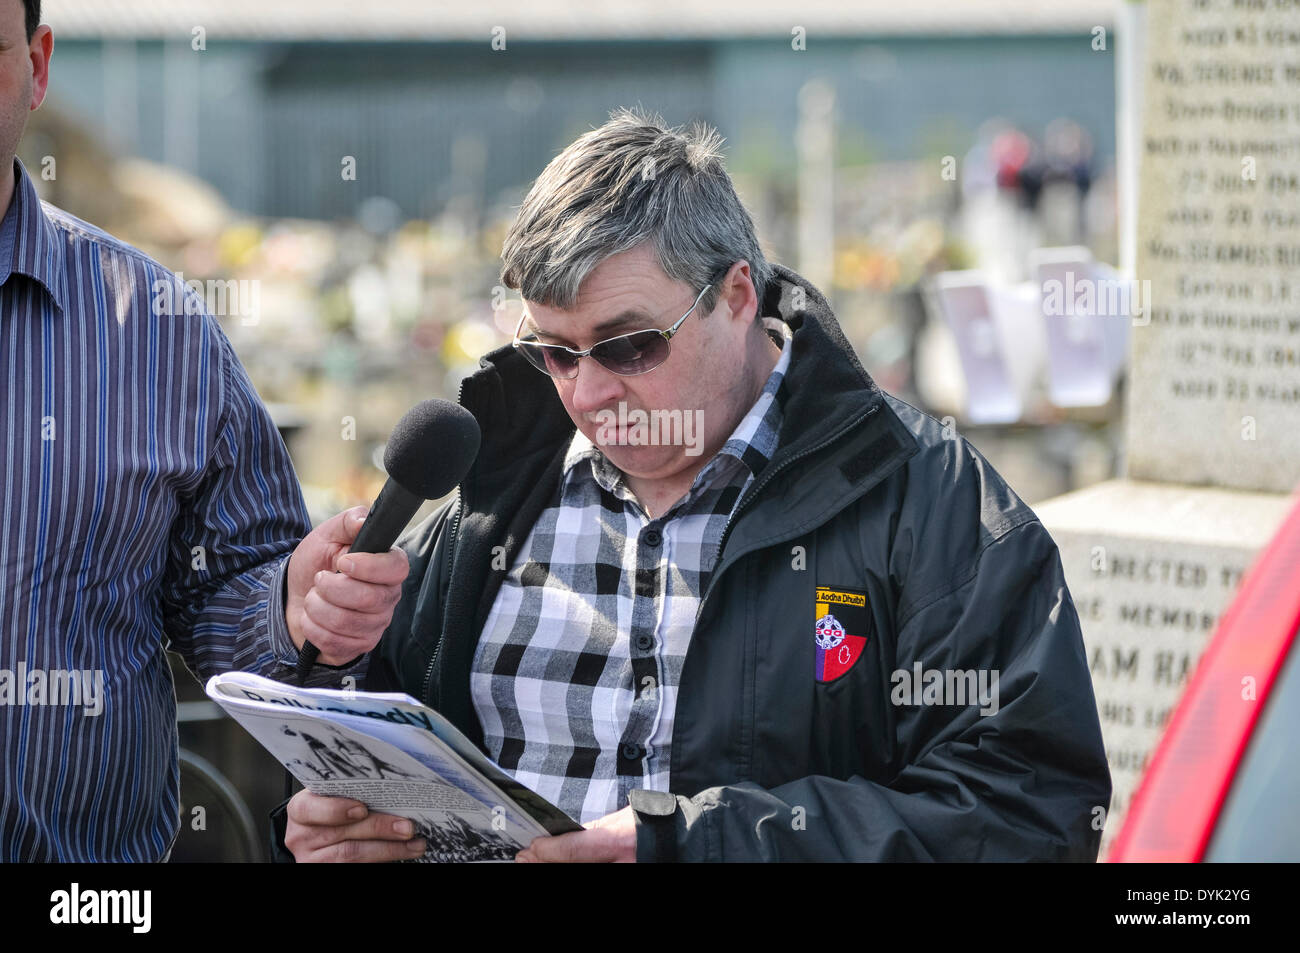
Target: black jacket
[{"x": 865, "y": 496}]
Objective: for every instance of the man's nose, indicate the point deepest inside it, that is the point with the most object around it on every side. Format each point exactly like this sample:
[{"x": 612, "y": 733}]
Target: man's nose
[{"x": 595, "y": 387}]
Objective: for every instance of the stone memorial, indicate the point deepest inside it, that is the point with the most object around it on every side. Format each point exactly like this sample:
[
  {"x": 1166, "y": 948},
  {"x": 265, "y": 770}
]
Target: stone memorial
[{"x": 1213, "y": 408}]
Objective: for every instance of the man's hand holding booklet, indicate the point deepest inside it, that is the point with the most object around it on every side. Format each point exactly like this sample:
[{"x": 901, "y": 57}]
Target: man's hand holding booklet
[{"x": 396, "y": 757}]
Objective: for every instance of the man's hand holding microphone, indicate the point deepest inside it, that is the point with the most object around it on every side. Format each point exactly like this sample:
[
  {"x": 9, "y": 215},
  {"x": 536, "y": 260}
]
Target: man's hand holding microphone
[
  {"x": 344, "y": 581},
  {"x": 338, "y": 600}
]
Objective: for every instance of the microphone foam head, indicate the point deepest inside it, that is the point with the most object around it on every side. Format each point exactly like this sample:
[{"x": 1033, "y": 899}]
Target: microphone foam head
[{"x": 432, "y": 448}]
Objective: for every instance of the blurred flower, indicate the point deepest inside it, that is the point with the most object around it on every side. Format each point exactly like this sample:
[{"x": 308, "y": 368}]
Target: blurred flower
[
  {"x": 238, "y": 244},
  {"x": 468, "y": 340}
]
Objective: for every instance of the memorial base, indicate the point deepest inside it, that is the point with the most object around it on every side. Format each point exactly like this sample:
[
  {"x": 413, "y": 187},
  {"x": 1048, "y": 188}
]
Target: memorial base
[{"x": 1150, "y": 567}]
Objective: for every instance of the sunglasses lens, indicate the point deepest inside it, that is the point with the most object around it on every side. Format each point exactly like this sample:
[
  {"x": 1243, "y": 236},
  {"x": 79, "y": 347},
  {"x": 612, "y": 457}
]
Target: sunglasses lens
[
  {"x": 632, "y": 353},
  {"x": 550, "y": 360}
]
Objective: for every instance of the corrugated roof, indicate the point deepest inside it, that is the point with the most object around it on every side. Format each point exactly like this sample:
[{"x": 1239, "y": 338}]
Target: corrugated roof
[{"x": 539, "y": 19}]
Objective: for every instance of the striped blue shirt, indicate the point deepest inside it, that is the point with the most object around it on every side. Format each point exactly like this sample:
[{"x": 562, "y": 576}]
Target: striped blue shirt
[{"x": 145, "y": 499}]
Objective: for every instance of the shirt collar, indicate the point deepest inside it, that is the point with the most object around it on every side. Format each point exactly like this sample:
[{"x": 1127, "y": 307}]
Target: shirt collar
[
  {"x": 752, "y": 442},
  {"x": 29, "y": 241}
]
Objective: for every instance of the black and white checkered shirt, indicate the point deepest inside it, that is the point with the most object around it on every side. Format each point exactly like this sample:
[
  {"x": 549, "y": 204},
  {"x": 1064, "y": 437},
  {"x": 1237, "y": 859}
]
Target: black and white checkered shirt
[{"x": 575, "y": 676}]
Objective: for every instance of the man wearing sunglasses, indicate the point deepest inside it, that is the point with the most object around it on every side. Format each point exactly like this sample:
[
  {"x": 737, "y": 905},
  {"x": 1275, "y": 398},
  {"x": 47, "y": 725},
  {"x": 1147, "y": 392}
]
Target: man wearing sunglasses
[{"x": 727, "y": 654}]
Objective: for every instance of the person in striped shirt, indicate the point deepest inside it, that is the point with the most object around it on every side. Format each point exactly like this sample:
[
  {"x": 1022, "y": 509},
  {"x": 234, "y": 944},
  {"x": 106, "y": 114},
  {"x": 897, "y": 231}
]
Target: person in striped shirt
[{"x": 146, "y": 502}]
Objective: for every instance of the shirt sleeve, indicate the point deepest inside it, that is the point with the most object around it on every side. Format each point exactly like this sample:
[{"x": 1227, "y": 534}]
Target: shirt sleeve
[
  {"x": 1027, "y": 782},
  {"x": 223, "y": 592}
]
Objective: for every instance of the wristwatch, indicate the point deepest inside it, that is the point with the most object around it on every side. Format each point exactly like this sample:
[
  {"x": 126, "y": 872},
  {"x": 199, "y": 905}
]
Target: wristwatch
[{"x": 656, "y": 810}]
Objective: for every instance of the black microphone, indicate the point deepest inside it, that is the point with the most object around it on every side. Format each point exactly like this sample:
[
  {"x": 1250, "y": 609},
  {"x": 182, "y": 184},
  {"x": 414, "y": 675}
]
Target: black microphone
[{"x": 430, "y": 451}]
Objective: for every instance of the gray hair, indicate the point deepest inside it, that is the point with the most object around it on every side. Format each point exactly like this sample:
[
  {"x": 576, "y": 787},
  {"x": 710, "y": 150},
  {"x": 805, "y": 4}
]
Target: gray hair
[{"x": 629, "y": 181}]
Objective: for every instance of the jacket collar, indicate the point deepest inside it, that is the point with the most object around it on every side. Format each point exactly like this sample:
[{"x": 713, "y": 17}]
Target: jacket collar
[
  {"x": 29, "y": 242},
  {"x": 523, "y": 420}
]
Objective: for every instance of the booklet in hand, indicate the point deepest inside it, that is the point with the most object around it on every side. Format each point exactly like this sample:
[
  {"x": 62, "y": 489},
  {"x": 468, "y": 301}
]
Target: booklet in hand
[{"x": 397, "y": 757}]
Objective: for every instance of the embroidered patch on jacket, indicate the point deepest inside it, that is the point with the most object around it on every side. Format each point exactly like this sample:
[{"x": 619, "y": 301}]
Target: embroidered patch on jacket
[{"x": 840, "y": 633}]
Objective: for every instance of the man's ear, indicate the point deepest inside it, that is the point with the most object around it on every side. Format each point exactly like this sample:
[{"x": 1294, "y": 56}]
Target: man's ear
[
  {"x": 738, "y": 289},
  {"x": 41, "y": 49}
]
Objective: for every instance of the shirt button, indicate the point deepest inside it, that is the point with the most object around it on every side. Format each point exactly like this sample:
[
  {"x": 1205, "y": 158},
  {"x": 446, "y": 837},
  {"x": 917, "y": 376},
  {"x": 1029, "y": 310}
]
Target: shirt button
[
  {"x": 652, "y": 537},
  {"x": 645, "y": 642},
  {"x": 632, "y": 752}
]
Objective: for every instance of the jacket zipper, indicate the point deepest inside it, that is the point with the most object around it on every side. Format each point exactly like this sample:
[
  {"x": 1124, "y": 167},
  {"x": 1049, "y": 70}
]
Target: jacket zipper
[
  {"x": 767, "y": 478},
  {"x": 451, "y": 560}
]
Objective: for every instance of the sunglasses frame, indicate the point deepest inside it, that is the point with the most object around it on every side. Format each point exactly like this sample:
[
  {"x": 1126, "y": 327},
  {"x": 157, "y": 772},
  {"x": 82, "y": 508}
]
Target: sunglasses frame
[{"x": 666, "y": 334}]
